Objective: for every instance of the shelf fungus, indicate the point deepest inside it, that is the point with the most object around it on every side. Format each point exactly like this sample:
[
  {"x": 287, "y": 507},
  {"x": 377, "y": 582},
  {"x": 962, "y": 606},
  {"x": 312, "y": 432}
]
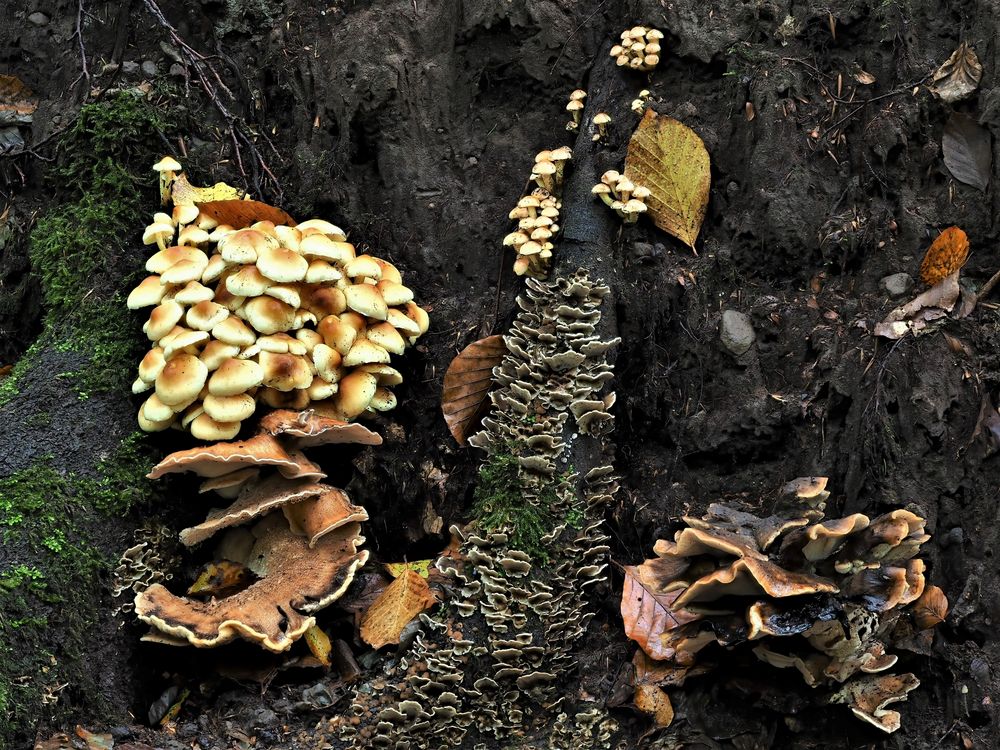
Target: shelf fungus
[
  {"x": 639, "y": 48},
  {"x": 620, "y": 194},
  {"x": 269, "y": 313},
  {"x": 295, "y": 580},
  {"x": 827, "y": 598}
]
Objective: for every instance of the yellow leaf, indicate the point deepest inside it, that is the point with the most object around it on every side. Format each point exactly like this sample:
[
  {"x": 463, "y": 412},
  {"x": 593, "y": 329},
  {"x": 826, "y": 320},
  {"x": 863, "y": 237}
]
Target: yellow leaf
[
  {"x": 319, "y": 643},
  {"x": 653, "y": 701},
  {"x": 420, "y": 567},
  {"x": 670, "y": 159},
  {"x": 183, "y": 193},
  {"x": 404, "y": 599},
  {"x": 221, "y": 579}
]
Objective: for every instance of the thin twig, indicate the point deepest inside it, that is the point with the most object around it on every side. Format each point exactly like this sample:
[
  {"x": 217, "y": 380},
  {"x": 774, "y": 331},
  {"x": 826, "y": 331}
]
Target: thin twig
[
  {"x": 895, "y": 92},
  {"x": 984, "y": 292},
  {"x": 78, "y": 35}
]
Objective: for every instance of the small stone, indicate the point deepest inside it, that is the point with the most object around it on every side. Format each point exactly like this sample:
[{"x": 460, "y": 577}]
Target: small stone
[
  {"x": 109, "y": 68},
  {"x": 130, "y": 67},
  {"x": 736, "y": 332},
  {"x": 177, "y": 70},
  {"x": 38, "y": 19},
  {"x": 149, "y": 68},
  {"x": 897, "y": 284}
]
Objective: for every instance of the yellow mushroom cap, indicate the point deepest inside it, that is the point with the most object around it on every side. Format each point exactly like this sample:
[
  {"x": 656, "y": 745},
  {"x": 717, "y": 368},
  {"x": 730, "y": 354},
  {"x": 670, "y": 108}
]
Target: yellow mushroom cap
[
  {"x": 384, "y": 374},
  {"x": 323, "y": 228},
  {"x": 206, "y": 315},
  {"x": 162, "y": 319},
  {"x": 181, "y": 379},
  {"x": 309, "y": 338},
  {"x": 149, "y": 292},
  {"x": 382, "y": 400},
  {"x": 192, "y": 235},
  {"x": 269, "y": 315},
  {"x": 285, "y": 372},
  {"x": 227, "y": 299},
  {"x": 244, "y": 245},
  {"x": 147, "y": 425},
  {"x": 289, "y": 237},
  {"x": 282, "y": 265},
  {"x": 204, "y": 427},
  {"x": 367, "y": 300},
  {"x": 156, "y": 233},
  {"x": 354, "y": 394},
  {"x": 235, "y": 376},
  {"x": 183, "y": 340},
  {"x": 287, "y": 293},
  {"x": 364, "y": 352},
  {"x": 337, "y": 334},
  {"x": 152, "y": 364},
  {"x": 578, "y": 95},
  {"x": 167, "y": 164},
  {"x": 321, "y": 271},
  {"x": 216, "y": 352},
  {"x": 364, "y": 266},
  {"x": 322, "y": 247},
  {"x": 327, "y": 360},
  {"x": 324, "y": 300},
  {"x": 234, "y": 331},
  {"x": 321, "y": 389},
  {"x": 419, "y": 315},
  {"x": 234, "y": 408},
  {"x": 185, "y": 215},
  {"x": 389, "y": 271},
  {"x": 386, "y": 337},
  {"x": 248, "y": 281},
  {"x": 164, "y": 259},
  {"x": 393, "y": 293},
  {"x": 215, "y": 268},
  {"x": 183, "y": 271},
  {"x": 281, "y": 343},
  {"x": 193, "y": 293},
  {"x": 399, "y": 320},
  {"x": 602, "y": 118}
]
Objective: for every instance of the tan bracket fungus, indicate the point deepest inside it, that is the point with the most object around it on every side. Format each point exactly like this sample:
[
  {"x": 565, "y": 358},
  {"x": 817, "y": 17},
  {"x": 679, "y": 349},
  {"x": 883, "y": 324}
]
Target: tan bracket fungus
[
  {"x": 274, "y": 611},
  {"x": 823, "y": 597}
]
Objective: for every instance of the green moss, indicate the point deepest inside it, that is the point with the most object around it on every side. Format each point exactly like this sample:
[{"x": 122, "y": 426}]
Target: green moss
[{"x": 499, "y": 504}]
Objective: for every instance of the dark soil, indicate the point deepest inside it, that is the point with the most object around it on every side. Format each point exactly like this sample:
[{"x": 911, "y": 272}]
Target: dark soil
[{"x": 413, "y": 123}]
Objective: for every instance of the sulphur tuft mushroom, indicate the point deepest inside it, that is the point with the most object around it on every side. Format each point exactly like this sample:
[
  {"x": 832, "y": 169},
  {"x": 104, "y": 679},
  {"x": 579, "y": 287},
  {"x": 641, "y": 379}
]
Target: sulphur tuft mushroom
[
  {"x": 639, "y": 49},
  {"x": 575, "y": 109},
  {"x": 601, "y": 121},
  {"x": 639, "y": 103},
  {"x": 620, "y": 194}
]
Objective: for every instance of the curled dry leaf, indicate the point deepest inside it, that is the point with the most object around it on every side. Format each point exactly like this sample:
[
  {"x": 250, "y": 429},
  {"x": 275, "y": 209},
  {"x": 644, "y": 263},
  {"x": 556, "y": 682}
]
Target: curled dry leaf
[
  {"x": 914, "y": 316},
  {"x": 647, "y": 613},
  {"x": 959, "y": 76},
  {"x": 240, "y": 214},
  {"x": 222, "y": 578},
  {"x": 967, "y": 150},
  {"x": 403, "y": 599},
  {"x": 670, "y": 159},
  {"x": 651, "y": 700},
  {"x": 319, "y": 643},
  {"x": 467, "y": 385},
  {"x": 931, "y": 608},
  {"x": 421, "y": 567},
  {"x": 947, "y": 254}
]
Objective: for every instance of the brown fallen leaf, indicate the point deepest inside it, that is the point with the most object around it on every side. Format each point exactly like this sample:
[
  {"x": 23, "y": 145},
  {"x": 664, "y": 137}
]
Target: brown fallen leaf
[
  {"x": 651, "y": 700},
  {"x": 404, "y": 599},
  {"x": 240, "y": 214},
  {"x": 647, "y": 613},
  {"x": 222, "y": 578},
  {"x": 17, "y": 101},
  {"x": 959, "y": 76},
  {"x": 670, "y": 159},
  {"x": 947, "y": 253},
  {"x": 650, "y": 672},
  {"x": 967, "y": 150},
  {"x": 914, "y": 316},
  {"x": 319, "y": 643},
  {"x": 467, "y": 385},
  {"x": 931, "y": 608}
]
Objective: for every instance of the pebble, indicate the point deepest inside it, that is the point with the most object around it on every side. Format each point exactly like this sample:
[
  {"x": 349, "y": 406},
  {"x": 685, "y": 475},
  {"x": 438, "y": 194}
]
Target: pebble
[
  {"x": 149, "y": 68},
  {"x": 177, "y": 70},
  {"x": 38, "y": 19},
  {"x": 736, "y": 332},
  {"x": 897, "y": 284},
  {"x": 130, "y": 67}
]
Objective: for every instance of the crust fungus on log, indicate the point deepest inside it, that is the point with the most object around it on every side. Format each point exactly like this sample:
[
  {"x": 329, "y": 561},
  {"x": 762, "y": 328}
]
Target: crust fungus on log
[{"x": 295, "y": 581}]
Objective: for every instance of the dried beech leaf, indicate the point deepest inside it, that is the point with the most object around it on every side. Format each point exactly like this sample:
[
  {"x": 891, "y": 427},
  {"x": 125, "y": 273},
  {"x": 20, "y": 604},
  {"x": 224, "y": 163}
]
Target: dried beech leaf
[
  {"x": 648, "y": 614},
  {"x": 653, "y": 701},
  {"x": 670, "y": 159},
  {"x": 222, "y": 578},
  {"x": 959, "y": 76},
  {"x": 467, "y": 385},
  {"x": 404, "y": 599},
  {"x": 931, "y": 608},
  {"x": 319, "y": 643},
  {"x": 947, "y": 254},
  {"x": 914, "y": 316},
  {"x": 241, "y": 214},
  {"x": 17, "y": 102},
  {"x": 421, "y": 567},
  {"x": 967, "y": 151},
  {"x": 651, "y": 672}
]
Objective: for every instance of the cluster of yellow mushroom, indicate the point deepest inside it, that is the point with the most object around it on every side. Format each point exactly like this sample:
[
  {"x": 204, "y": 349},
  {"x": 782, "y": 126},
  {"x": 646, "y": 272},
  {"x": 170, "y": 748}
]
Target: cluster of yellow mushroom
[
  {"x": 575, "y": 109},
  {"x": 639, "y": 48},
  {"x": 290, "y": 316},
  {"x": 627, "y": 199},
  {"x": 537, "y": 214}
]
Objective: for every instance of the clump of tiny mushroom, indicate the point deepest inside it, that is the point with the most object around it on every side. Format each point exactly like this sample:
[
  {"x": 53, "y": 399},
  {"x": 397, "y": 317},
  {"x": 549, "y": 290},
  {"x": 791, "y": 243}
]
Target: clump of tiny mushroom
[
  {"x": 627, "y": 199},
  {"x": 290, "y": 316},
  {"x": 639, "y": 103},
  {"x": 537, "y": 214},
  {"x": 639, "y": 48},
  {"x": 575, "y": 109}
]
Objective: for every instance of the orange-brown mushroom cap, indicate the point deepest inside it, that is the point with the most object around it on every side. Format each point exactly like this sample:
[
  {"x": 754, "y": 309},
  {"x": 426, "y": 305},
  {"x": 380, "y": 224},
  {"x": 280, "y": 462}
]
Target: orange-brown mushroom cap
[{"x": 222, "y": 458}]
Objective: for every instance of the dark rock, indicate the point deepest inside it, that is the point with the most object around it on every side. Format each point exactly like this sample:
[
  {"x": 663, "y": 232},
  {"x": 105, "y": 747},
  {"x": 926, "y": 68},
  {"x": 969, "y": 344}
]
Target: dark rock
[{"x": 130, "y": 67}]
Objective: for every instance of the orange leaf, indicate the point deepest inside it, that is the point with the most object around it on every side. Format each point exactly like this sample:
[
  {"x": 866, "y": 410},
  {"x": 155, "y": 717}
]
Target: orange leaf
[
  {"x": 404, "y": 599},
  {"x": 241, "y": 214},
  {"x": 947, "y": 254},
  {"x": 653, "y": 701},
  {"x": 648, "y": 615},
  {"x": 319, "y": 643},
  {"x": 16, "y": 101},
  {"x": 467, "y": 385},
  {"x": 931, "y": 608},
  {"x": 670, "y": 159}
]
